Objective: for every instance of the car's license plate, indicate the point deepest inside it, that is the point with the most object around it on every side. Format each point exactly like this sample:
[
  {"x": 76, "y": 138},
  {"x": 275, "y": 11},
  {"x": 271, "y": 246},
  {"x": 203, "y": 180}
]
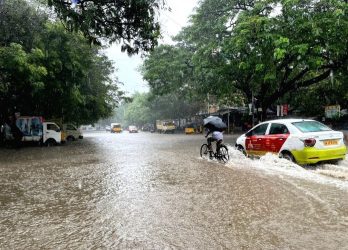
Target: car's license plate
[{"x": 330, "y": 142}]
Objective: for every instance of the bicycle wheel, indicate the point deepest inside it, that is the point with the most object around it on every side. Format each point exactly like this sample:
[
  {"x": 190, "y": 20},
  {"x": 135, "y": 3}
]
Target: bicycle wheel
[
  {"x": 204, "y": 151},
  {"x": 223, "y": 154}
]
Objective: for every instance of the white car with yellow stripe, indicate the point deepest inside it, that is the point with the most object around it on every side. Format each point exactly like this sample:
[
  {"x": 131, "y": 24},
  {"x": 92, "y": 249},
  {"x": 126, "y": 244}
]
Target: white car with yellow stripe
[{"x": 303, "y": 141}]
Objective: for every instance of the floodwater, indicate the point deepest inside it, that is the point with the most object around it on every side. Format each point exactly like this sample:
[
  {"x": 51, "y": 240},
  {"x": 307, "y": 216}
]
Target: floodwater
[{"x": 153, "y": 191}]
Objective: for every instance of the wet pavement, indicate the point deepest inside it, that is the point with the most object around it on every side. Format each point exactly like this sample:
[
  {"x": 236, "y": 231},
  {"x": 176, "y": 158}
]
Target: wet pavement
[{"x": 153, "y": 191}]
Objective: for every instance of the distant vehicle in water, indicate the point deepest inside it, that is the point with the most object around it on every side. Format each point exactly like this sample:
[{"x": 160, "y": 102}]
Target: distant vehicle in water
[
  {"x": 107, "y": 128},
  {"x": 116, "y": 128},
  {"x": 132, "y": 129},
  {"x": 87, "y": 128},
  {"x": 149, "y": 127},
  {"x": 165, "y": 126},
  {"x": 190, "y": 129}
]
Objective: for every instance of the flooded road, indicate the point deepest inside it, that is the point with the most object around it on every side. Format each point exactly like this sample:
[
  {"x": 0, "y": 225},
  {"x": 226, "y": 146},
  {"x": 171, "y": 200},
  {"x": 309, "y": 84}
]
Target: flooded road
[{"x": 153, "y": 191}]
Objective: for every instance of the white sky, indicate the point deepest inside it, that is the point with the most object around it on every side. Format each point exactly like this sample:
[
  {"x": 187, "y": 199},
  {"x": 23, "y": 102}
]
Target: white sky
[{"x": 171, "y": 22}]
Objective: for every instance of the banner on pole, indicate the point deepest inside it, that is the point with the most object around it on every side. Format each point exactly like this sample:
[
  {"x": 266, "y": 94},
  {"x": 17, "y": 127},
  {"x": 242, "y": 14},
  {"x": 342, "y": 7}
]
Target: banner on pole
[{"x": 332, "y": 111}]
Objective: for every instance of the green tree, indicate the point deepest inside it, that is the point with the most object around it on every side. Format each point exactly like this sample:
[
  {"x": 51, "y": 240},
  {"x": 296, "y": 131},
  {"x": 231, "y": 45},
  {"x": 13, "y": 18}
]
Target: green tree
[
  {"x": 284, "y": 53},
  {"x": 20, "y": 67},
  {"x": 78, "y": 78},
  {"x": 264, "y": 49},
  {"x": 147, "y": 108},
  {"x": 138, "y": 111},
  {"x": 20, "y": 23},
  {"x": 21, "y": 76},
  {"x": 133, "y": 23},
  {"x": 312, "y": 100},
  {"x": 45, "y": 70},
  {"x": 167, "y": 70}
]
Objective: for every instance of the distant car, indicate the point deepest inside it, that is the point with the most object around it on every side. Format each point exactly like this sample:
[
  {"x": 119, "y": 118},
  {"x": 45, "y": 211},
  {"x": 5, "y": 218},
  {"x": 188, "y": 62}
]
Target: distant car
[
  {"x": 107, "y": 128},
  {"x": 148, "y": 127},
  {"x": 133, "y": 129},
  {"x": 302, "y": 141}
]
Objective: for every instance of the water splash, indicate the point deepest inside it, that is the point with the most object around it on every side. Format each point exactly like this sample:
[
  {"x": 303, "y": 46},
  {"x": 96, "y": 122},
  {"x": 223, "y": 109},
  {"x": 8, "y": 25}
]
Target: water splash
[{"x": 327, "y": 174}]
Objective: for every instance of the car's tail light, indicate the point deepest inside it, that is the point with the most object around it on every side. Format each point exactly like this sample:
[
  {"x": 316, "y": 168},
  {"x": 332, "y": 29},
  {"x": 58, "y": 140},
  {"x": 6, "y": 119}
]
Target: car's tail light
[{"x": 310, "y": 142}]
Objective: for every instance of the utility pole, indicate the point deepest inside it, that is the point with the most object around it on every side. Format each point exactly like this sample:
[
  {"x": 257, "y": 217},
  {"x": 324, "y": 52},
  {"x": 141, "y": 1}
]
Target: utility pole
[
  {"x": 252, "y": 108},
  {"x": 228, "y": 122}
]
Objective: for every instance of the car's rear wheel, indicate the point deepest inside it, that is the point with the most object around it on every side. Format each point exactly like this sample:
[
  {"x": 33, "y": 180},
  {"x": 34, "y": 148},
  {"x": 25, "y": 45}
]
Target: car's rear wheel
[
  {"x": 288, "y": 156},
  {"x": 241, "y": 149}
]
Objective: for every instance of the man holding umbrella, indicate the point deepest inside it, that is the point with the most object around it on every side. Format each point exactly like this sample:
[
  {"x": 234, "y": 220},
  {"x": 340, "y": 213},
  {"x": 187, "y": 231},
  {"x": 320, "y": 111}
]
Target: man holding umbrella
[{"x": 215, "y": 126}]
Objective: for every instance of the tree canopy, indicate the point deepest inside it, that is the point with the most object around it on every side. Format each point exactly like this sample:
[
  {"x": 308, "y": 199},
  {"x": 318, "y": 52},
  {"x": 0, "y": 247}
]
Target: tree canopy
[
  {"x": 52, "y": 72},
  {"x": 261, "y": 49},
  {"x": 132, "y": 23}
]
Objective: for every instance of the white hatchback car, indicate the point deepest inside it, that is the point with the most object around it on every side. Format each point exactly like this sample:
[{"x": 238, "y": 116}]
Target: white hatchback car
[
  {"x": 133, "y": 129},
  {"x": 302, "y": 141}
]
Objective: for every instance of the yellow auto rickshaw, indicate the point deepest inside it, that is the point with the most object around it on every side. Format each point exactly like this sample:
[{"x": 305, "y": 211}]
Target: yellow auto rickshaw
[
  {"x": 116, "y": 128},
  {"x": 190, "y": 129}
]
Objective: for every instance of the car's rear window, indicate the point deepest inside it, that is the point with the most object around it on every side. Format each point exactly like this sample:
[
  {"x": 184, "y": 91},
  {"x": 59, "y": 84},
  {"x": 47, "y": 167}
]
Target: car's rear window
[{"x": 311, "y": 126}]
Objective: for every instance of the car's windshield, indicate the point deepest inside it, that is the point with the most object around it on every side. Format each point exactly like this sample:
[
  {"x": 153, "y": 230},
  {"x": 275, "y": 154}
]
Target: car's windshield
[{"x": 310, "y": 126}]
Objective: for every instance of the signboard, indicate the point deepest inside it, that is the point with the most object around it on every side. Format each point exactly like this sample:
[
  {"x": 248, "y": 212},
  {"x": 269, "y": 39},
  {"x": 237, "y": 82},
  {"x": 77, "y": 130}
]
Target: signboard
[
  {"x": 213, "y": 108},
  {"x": 285, "y": 109},
  {"x": 282, "y": 110},
  {"x": 332, "y": 111}
]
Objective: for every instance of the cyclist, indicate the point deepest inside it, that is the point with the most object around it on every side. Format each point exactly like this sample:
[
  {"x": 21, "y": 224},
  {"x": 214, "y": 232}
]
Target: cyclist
[{"x": 216, "y": 136}]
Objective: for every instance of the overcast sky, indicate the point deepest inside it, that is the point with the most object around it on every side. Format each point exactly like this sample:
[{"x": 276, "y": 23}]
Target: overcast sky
[{"x": 171, "y": 22}]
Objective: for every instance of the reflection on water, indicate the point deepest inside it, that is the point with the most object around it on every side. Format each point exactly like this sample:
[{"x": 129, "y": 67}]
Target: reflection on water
[{"x": 153, "y": 191}]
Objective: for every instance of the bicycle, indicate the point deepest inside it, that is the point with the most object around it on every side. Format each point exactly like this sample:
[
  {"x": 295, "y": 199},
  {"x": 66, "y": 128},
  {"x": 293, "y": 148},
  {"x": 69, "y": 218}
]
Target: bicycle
[{"x": 221, "y": 153}]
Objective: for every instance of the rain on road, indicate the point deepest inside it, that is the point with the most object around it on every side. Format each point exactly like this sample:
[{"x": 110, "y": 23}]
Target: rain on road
[{"x": 153, "y": 191}]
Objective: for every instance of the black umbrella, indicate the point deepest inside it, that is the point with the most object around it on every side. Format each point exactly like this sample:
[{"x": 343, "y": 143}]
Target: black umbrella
[{"x": 214, "y": 123}]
